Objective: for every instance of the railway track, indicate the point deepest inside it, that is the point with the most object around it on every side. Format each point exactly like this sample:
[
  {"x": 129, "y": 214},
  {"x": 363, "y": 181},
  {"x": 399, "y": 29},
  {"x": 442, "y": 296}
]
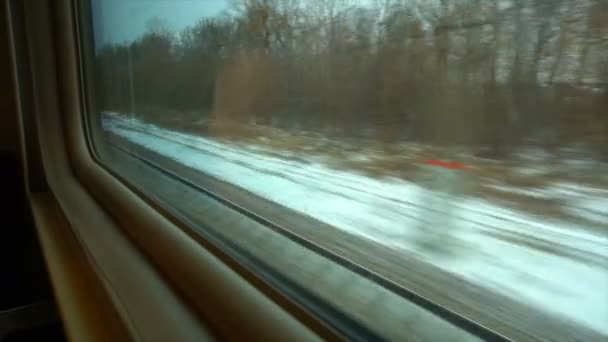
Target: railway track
[{"x": 495, "y": 325}]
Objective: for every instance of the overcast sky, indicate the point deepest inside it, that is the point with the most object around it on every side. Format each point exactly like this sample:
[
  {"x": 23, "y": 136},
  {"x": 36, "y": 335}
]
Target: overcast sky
[{"x": 117, "y": 21}]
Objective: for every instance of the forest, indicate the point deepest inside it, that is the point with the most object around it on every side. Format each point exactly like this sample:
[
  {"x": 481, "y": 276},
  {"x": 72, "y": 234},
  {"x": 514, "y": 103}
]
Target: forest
[{"x": 490, "y": 74}]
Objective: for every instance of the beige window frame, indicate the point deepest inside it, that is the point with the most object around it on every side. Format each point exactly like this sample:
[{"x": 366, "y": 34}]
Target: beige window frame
[{"x": 121, "y": 269}]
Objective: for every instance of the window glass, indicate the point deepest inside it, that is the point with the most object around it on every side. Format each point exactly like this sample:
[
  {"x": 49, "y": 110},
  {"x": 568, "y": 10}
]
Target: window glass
[{"x": 405, "y": 163}]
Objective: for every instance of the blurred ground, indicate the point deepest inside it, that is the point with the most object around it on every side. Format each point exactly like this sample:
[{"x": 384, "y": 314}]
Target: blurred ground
[
  {"x": 519, "y": 227},
  {"x": 568, "y": 184}
]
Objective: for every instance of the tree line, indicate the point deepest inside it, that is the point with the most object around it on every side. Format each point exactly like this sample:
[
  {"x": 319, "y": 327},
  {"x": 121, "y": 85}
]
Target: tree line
[{"x": 489, "y": 73}]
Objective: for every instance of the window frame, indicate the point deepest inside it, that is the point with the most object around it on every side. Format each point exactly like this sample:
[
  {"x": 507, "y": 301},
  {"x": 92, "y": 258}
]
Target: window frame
[{"x": 102, "y": 212}]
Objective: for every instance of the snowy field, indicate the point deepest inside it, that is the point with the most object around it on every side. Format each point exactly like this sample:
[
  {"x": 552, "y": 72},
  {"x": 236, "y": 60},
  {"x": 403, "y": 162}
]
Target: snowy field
[{"x": 559, "y": 267}]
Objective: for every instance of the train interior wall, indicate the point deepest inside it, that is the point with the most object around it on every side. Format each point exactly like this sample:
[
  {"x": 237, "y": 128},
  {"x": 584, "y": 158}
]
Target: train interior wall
[{"x": 27, "y": 311}]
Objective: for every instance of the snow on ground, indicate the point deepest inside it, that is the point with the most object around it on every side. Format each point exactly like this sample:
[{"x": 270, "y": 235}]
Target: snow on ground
[{"x": 559, "y": 267}]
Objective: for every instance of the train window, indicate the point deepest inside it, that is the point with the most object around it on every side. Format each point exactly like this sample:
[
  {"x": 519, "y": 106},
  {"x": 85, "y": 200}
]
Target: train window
[{"x": 408, "y": 170}]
